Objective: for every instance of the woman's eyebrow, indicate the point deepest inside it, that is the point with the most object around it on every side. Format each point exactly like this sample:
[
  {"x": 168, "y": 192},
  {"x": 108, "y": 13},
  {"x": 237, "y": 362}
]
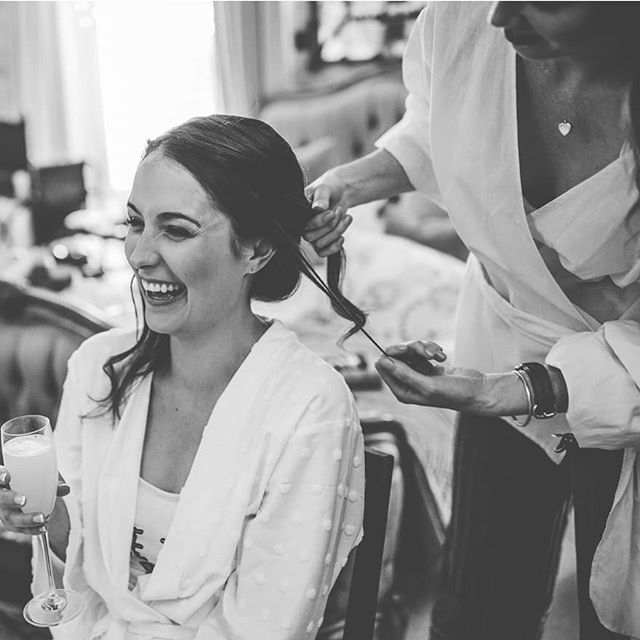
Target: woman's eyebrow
[{"x": 167, "y": 214}]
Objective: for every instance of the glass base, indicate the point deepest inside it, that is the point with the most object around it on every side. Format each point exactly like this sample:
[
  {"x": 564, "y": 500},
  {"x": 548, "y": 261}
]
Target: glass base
[{"x": 51, "y": 609}]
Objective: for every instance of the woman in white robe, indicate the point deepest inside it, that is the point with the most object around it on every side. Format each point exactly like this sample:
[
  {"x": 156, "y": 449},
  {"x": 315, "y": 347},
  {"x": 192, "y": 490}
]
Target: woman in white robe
[
  {"x": 529, "y": 136},
  {"x": 215, "y": 464}
]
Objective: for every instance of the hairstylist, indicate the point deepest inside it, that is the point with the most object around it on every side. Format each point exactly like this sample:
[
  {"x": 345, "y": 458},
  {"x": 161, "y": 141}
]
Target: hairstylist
[{"x": 526, "y": 129}]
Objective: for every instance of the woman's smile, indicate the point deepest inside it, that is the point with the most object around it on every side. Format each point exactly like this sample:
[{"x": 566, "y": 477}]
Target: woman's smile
[{"x": 161, "y": 292}]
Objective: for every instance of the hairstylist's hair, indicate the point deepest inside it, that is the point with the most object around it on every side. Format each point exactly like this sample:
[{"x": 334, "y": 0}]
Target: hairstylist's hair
[{"x": 253, "y": 176}]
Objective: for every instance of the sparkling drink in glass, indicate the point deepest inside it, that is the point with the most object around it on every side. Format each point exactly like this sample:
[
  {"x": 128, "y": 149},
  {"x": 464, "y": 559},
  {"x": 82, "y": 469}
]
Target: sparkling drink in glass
[{"x": 30, "y": 457}]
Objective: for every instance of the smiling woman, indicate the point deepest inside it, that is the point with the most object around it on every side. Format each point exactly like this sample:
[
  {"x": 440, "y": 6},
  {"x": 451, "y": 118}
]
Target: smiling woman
[{"x": 209, "y": 457}]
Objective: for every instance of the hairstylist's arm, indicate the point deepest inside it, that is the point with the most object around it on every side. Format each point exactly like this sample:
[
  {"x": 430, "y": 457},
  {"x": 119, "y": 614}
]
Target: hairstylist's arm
[
  {"x": 468, "y": 390},
  {"x": 374, "y": 177}
]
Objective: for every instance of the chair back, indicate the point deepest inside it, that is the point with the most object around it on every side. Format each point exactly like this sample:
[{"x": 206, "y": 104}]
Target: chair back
[
  {"x": 55, "y": 192},
  {"x": 363, "y": 597},
  {"x": 39, "y": 330}
]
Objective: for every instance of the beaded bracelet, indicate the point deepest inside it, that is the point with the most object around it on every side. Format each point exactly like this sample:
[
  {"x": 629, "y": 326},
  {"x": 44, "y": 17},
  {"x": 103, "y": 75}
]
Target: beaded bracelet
[{"x": 527, "y": 389}]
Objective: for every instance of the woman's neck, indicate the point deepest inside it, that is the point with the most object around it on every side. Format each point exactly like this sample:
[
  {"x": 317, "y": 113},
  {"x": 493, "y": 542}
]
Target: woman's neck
[
  {"x": 613, "y": 66},
  {"x": 208, "y": 360}
]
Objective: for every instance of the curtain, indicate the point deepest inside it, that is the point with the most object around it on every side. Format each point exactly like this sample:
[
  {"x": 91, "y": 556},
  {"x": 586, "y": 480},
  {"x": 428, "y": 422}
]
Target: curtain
[
  {"x": 53, "y": 81},
  {"x": 237, "y": 57}
]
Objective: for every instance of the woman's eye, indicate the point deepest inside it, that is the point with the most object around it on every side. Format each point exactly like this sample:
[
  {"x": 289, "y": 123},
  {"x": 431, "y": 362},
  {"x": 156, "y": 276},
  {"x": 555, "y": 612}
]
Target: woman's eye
[
  {"x": 134, "y": 223},
  {"x": 178, "y": 232}
]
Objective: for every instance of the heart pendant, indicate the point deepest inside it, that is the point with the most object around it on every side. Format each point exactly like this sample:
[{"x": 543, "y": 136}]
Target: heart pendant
[{"x": 564, "y": 128}]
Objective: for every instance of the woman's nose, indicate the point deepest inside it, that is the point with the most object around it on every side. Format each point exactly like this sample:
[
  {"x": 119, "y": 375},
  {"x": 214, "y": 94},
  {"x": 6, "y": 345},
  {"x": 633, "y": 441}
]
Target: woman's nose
[
  {"x": 502, "y": 14},
  {"x": 141, "y": 251}
]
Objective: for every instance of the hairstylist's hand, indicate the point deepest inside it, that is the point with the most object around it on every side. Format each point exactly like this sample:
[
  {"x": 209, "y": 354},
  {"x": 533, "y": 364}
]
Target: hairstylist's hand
[
  {"x": 449, "y": 387},
  {"x": 14, "y": 511},
  {"x": 327, "y": 196}
]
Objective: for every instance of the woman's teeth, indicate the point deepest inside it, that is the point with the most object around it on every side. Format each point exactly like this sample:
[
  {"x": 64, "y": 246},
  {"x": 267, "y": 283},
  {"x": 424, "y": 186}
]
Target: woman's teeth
[{"x": 161, "y": 290}]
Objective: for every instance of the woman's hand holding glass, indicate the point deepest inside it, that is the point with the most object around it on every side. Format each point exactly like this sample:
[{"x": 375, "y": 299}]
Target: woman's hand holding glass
[
  {"x": 15, "y": 514},
  {"x": 29, "y": 486}
]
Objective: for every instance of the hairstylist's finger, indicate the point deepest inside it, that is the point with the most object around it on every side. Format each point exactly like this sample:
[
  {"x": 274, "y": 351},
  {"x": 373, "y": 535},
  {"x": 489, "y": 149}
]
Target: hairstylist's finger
[
  {"x": 333, "y": 235},
  {"x": 430, "y": 349},
  {"x": 335, "y": 222},
  {"x": 4, "y": 477},
  {"x": 331, "y": 249},
  {"x": 322, "y": 220}
]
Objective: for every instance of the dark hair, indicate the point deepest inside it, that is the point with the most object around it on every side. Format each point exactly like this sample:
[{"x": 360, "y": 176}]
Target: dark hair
[{"x": 253, "y": 176}]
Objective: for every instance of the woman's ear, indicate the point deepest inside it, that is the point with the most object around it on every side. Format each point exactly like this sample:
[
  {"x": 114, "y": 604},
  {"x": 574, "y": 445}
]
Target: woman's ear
[{"x": 259, "y": 252}]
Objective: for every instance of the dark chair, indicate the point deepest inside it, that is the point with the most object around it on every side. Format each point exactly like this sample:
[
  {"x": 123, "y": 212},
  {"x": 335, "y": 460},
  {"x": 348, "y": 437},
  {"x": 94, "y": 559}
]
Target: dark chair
[
  {"x": 38, "y": 333},
  {"x": 55, "y": 192},
  {"x": 385, "y": 435},
  {"x": 13, "y": 154},
  {"x": 363, "y": 597}
]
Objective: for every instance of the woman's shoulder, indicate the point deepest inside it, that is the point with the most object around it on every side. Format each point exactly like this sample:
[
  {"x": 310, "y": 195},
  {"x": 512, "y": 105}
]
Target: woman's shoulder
[
  {"x": 305, "y": 378},
  {"x": 97, "y": 349}
]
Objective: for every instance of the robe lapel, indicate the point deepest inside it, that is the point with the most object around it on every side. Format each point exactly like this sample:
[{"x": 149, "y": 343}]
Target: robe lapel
[
  {"x": 202, "y": 540},
  {"x": 117, "y": 485}
]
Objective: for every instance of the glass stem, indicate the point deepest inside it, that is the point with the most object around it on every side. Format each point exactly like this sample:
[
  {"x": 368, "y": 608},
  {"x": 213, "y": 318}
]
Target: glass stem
[{"x": 53, "y": 601}]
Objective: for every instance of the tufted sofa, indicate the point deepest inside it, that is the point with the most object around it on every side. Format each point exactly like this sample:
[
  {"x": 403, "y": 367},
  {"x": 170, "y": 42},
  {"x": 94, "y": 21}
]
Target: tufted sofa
[
  {"x": 38, "y": 333},
  {"x": 329, "y": 128}
]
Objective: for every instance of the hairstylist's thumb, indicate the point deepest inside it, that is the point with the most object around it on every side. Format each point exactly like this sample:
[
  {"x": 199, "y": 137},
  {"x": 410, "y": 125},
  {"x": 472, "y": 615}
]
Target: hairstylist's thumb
[{"x": 319, "y": 196}]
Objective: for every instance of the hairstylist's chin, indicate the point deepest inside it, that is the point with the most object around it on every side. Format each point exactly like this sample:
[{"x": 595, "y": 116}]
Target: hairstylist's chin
[{"x": 529, "y": 45}]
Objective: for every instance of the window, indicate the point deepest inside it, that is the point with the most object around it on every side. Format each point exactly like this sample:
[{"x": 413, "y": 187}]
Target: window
[
  {"x": 156, "y": 70},
  {"x": 358, "y": 32}
]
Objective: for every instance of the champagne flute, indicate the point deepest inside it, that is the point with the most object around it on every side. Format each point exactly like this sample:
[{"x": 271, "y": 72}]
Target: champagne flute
[{"x": 30, "y": 457}]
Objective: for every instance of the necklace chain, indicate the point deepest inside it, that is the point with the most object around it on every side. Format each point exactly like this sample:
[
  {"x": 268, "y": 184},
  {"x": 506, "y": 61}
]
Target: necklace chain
[{"x": 564, "y": 126}]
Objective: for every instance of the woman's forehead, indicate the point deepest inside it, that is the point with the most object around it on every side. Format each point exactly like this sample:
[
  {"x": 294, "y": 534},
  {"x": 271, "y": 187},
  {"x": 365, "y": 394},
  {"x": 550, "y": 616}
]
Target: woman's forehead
[{"x": 161, "y": 179}]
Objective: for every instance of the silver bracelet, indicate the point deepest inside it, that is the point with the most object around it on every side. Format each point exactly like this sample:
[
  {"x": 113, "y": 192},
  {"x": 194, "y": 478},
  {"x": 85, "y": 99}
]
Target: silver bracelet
[{"x": 527, "y": 389}]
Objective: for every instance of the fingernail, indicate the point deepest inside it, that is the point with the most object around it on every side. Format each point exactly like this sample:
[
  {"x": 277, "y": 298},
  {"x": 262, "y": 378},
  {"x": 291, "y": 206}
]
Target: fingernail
[
  {"x": 20, "y": 500},
  {"x": 3, "y": 477},
  {"x": 389, "y": 362},
  {"x": 440, "y": 356},
  {"x": 39, "y": 519}
]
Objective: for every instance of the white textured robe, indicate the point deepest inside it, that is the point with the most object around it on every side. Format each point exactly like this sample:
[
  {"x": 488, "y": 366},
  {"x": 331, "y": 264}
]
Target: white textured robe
[{"x": 270, "y": 510}]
